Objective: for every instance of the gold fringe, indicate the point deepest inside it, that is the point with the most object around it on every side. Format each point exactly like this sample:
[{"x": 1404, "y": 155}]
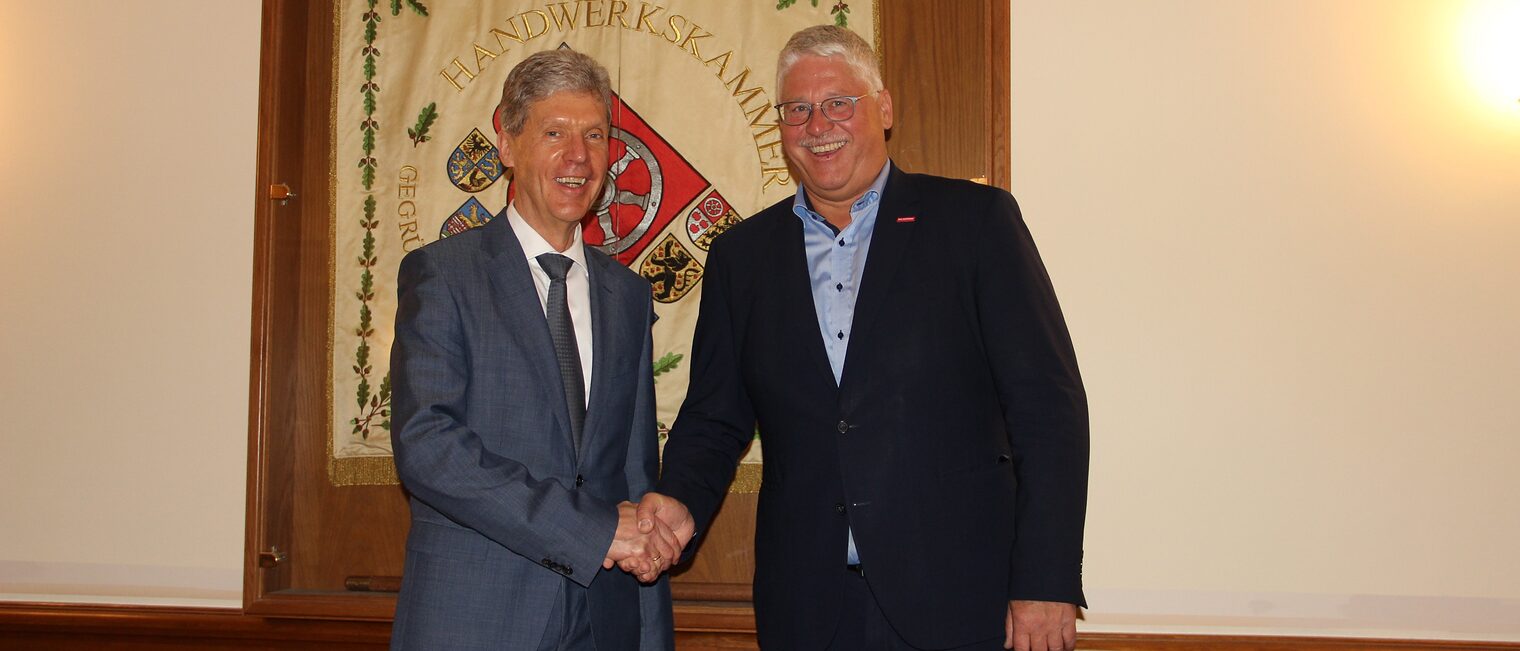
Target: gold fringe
[{"x": 747, "y": 479}]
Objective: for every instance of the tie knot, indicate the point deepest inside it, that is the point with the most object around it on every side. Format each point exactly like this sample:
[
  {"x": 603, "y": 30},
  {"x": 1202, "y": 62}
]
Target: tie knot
[{"x": 555, "y": 265}]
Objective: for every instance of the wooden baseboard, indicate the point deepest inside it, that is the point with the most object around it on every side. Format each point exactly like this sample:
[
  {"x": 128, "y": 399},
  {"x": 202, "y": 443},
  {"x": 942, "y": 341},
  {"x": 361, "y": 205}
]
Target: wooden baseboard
[
  {"x": 712, "y": 626},
  {"x": 1164, "y": 642},
  {"x": 89, "y": 627}
]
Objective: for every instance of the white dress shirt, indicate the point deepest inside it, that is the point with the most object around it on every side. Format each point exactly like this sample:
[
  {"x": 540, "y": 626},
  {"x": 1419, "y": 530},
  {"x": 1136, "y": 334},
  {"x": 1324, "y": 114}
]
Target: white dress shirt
[{"x": 577, "y": 284}]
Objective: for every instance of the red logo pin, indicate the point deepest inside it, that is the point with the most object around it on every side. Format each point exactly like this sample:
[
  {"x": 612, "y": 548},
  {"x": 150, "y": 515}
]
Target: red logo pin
[{"x": 907, "y": 220}]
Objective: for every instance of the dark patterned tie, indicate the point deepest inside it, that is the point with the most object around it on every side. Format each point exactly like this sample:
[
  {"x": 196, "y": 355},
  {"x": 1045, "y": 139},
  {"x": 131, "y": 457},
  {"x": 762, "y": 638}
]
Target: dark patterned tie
[{"x": 562, "y": 331}]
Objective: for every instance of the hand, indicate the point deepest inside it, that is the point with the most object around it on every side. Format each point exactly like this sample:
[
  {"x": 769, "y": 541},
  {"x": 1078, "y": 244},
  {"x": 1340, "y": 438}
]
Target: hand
[
  {"x": 648, "y": 568},
  {"x": 643, "y": 554},
  {"x": 1040, "y": 626},
  {"x": 670, "y": 521},
  {"x": 669, "y": 511}
]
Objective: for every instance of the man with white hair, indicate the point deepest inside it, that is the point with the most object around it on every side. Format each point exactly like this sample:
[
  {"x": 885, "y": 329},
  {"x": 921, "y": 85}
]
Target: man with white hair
[
  {"x": 524, "y": 403},
  {"x": 898, "y": 342}
]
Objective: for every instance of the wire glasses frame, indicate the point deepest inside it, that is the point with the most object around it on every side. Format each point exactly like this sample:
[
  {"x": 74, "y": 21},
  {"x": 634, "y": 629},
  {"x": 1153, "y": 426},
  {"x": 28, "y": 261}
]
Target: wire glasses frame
[{"x": 836, "y": 109}]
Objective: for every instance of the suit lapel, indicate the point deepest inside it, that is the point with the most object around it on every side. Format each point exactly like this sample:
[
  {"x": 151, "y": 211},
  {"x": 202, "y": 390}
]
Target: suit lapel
[
  {"x": 895, "y": 223},
  {"x": 605, "y": 312},
  {"x": 519, "y": 309}
]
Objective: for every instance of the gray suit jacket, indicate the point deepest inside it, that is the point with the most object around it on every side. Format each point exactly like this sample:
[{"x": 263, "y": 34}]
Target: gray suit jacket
[{"x": 504, "y": 515}]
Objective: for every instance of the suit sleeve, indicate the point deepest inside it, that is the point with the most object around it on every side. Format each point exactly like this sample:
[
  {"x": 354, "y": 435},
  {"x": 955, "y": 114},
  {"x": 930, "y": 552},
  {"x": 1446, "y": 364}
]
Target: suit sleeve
[
  {"x": 656, "y": 626},
  {"x": 717, "y": 421},
  {"x": 1044, "y": 405},
  {"x": 444, "y": 463}
]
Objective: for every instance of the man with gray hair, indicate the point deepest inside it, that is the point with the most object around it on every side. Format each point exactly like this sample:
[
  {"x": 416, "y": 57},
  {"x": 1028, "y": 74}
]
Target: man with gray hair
[
  {"x": 524, "y": 403},
  {"x": 898, "y": 342}
]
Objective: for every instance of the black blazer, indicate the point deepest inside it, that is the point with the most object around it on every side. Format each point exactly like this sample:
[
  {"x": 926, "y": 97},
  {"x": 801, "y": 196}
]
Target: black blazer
[{"x": 955, "y": 445}]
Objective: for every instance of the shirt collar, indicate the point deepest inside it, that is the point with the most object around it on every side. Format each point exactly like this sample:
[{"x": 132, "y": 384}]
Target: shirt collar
[
  {"x": 534, "y": 245},
  {"x": 803, "y": 208}
]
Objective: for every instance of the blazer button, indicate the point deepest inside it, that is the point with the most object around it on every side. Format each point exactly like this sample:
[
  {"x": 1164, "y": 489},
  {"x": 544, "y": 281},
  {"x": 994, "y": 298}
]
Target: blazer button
[
  {"x": 839, "y": 507},
  {"x": 579, "y": 481},
  {"x": 843, "y": 427}
]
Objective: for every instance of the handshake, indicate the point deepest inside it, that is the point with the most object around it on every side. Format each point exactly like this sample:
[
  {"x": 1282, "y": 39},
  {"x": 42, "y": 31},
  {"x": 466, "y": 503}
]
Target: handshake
[{"x": 650, "y": 536}]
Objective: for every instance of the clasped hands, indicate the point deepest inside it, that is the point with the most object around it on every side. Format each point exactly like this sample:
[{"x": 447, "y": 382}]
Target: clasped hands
[{"x": 650, "y": 537}]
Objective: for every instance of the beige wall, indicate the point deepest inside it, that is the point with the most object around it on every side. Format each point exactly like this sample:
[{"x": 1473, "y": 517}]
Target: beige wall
[
  {"x": 126, "y": 240},
  {"x": 1284, "y": 233}
]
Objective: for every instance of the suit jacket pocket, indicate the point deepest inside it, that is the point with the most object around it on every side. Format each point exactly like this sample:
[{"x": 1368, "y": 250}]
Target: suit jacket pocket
[{"x": 986, "y": 463}]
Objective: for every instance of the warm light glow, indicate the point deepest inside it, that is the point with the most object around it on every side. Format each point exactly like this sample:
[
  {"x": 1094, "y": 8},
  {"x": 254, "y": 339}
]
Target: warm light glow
[{"x": 1491, "y": 50}]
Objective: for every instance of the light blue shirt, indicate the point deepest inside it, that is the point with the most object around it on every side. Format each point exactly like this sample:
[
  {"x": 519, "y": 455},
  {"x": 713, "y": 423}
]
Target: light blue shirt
[{"x": 836, "y": 260}]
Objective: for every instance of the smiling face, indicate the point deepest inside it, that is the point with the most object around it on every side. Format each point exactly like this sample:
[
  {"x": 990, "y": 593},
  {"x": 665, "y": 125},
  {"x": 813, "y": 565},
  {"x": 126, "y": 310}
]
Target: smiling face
[
  {"x": 558, "y": 162},
  {"x": 836, "y": 161}
]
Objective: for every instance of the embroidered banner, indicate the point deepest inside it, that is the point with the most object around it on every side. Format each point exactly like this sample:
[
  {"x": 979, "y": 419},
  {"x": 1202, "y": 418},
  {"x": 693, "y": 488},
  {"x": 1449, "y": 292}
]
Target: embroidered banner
[{"x": 695, "y": 149}]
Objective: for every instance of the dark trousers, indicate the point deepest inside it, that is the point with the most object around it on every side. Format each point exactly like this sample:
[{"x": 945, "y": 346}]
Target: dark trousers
[
  {"x": 863, "y": 627},
  {"x": 569, "y": 625}
]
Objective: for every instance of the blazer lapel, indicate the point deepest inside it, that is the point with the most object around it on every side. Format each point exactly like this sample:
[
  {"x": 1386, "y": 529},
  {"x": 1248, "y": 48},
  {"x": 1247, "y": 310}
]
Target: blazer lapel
[
  {"x": 798, "y": 313},
  {"x": 519, "y": 310},
  {"x": 895, "y": 222}
]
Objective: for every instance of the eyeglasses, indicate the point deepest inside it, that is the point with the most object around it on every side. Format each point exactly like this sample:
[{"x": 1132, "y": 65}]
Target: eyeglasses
[{"x": 836, "y": 109}]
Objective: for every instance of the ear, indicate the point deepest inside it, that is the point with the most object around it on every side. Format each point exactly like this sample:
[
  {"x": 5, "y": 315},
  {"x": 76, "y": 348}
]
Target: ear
[
  {"x": 504, "y": 148},
  {"x": 884, "y": 101}
]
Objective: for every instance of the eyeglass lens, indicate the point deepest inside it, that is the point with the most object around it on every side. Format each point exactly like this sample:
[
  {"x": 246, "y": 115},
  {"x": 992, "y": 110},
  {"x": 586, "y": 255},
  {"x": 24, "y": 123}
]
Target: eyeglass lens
[{"x": 836, "y": 109}]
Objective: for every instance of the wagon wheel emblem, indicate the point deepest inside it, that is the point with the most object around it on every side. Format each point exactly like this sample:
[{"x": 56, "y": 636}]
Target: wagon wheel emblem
[{"x": 629, "y": 198}]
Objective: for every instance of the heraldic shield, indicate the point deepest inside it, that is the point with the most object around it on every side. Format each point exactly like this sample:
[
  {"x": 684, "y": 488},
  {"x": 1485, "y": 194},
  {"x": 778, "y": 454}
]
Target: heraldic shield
[
  {"x": 470, "y": 214},
  {"x": 709, "y": 219},
  {"x": 475, "y": 163}
]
